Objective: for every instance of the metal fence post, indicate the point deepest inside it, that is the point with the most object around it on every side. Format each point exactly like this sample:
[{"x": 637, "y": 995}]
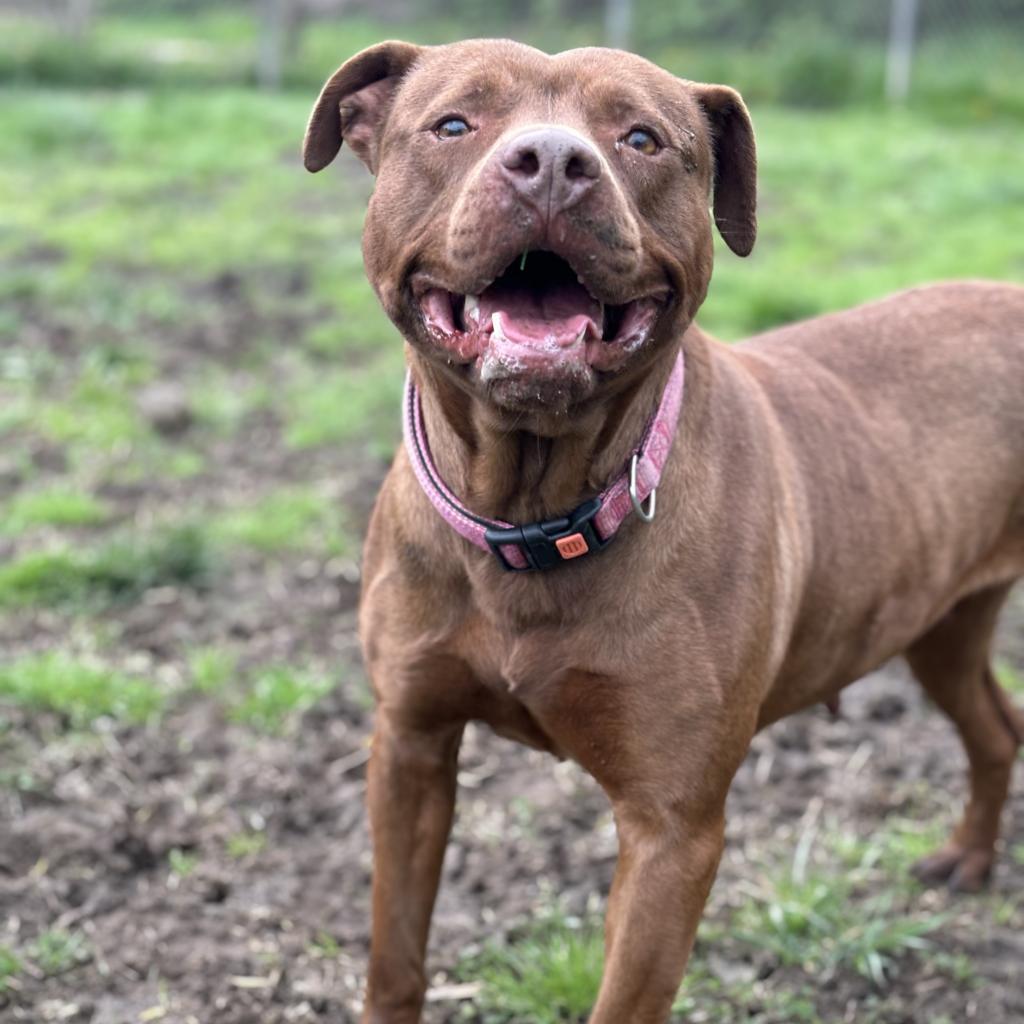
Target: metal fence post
[
  {"x": 902, "y": 35},
  {"x": 618, "y": 21}
]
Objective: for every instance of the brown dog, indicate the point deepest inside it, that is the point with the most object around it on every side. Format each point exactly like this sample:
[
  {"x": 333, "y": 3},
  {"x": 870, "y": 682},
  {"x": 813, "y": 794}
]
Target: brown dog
[{"x": 838, "y": 492}]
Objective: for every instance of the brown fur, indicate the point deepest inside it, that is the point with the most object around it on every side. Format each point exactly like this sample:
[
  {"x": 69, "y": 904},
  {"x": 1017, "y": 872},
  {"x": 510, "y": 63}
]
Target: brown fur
[{"x": 840, "y": 491}]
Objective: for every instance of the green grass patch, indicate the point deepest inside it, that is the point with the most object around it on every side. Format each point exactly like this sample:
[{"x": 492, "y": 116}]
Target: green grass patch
[
  {"x": 57, "y": 951},
  {"x": 844, "y": 915},
  {"x": 118, "y": 570},
  {"x": 212, "y": 669},
  {"x": 99, "y": 412},
  {"x": 266, "y": 699},
  {"x": 823, "y": 926},
  {"x": 272, "y": 698},
  {"x": 837, "y": 230},
  {"x": 10, "y": 967},
  {"x": 182, "y": 863},
  {"x": 243, "y": 845},
  {"x": 335, "y": 406},
  {"x": 550, "y": 975},
  {"x": 859, "y": 917},
  {"x": 1010, "y": 677},
  {"x": 80, "y": 691},
  {"x": 286, "y": 520},
  {"x": 703, "y": 997},
  {"x": 58, "y": 506}
]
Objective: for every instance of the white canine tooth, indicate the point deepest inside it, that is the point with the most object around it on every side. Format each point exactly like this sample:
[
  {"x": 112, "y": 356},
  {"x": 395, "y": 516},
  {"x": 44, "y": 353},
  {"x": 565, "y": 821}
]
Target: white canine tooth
[
  {"x": 472, "y": 308},
  {"x": 499, "y": 334},
  {"x": 582, "y": 334}
]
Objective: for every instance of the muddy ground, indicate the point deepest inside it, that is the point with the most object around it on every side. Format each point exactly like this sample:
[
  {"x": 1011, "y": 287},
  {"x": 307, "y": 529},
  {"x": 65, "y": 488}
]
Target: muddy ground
[{"x": 281, "y": 934}]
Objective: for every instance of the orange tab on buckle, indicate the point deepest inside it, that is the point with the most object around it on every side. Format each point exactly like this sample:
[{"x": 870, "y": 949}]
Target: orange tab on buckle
[{"x": 572, "y": 546}]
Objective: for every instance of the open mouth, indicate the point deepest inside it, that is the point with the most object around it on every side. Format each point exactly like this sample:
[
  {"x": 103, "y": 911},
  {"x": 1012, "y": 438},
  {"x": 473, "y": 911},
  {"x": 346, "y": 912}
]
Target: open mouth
[{"x": 538, "y": 315}]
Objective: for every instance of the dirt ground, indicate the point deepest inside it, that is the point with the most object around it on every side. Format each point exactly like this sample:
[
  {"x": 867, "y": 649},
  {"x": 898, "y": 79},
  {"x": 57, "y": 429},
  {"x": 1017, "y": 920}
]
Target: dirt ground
[{"x": 281, "y": 934}]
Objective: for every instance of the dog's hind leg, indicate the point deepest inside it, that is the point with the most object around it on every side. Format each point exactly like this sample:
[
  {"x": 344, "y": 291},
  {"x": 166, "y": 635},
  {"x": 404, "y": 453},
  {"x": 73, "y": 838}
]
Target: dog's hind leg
[{"x": 952, "y": 661}]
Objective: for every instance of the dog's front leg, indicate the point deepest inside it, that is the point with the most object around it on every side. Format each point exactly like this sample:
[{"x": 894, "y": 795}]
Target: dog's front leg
[
  {"x": 411, "y": 798},
  {"x": 665, "y": 751},
  {"x": 667, "y": 862}
]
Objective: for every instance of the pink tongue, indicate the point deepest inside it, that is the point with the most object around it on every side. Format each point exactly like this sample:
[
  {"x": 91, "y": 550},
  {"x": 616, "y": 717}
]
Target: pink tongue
[{"x": 555, "y": 315}]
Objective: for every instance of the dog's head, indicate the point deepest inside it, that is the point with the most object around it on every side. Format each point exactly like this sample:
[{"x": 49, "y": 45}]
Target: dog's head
[{"x": 540, "y": 224}]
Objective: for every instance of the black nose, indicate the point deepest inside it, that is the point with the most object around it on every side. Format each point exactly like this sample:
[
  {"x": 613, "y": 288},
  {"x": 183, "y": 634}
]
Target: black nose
[{"x": 551, "y": 167}]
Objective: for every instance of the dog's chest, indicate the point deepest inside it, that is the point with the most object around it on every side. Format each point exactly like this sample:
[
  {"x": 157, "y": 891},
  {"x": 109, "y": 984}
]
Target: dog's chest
[{"x": 512, "y": 662}]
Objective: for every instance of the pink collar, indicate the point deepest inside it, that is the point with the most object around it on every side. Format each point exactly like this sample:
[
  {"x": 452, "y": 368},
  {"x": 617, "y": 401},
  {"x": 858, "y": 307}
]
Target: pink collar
[{"x": 587, "y": 528}]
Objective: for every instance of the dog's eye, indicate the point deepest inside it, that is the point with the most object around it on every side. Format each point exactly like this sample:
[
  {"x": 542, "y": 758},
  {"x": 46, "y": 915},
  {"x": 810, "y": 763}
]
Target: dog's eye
[
  {"x": 642, "y": 141},
  {"x": 452, "y": 128}
]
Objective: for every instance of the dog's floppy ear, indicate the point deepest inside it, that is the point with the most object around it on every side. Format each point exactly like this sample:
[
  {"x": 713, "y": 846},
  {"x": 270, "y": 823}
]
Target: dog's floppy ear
[
  {"x": 735, "y": 156},
  {"x": 354, "y": 104}
]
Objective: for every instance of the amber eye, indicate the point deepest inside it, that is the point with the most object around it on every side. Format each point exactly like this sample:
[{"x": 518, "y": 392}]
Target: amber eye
[
  {"x": 452, "y": 128},
  {"x": 642, "y": 141}
]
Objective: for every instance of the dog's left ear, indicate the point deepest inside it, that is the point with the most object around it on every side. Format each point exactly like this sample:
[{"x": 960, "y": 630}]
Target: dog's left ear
[
  {"x": 735, "y": 156},
  {"x": 354, "y": 104}
]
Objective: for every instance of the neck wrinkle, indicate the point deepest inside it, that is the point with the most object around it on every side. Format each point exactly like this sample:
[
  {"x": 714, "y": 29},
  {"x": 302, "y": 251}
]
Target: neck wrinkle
[{"x": 506, "y": 472}]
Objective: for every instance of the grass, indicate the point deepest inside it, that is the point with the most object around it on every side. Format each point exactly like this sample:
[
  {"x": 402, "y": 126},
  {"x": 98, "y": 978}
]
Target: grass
[
  {"x": 271, "y": 699},
  {"x": 288, "y": 519},
  {"x": 120, "y": 569},
  {"x": 551, "y": 974},
  {"x": 79, "y": 691},
  {"x": 243, "y": 845},
  {"x": 858, "y": 917},
  {"x": 10, "y": 967},
  {"x": 824, "y": 925},
  {"x": 212, "y": 669},
  {"x": 1010, "y": 677},
  {"x": 182, "y": 863},
  {"x": 59, "y": 506},
  {"x": 57, "y": 951},
  {"x": 265, "y": 699},
  {"x": 854, "y": 911}
]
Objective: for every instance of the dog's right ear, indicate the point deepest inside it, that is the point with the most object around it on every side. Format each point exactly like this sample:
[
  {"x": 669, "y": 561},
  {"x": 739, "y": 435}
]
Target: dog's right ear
[
  {"x": 735, "y": 157},
  {"x": 354, "y": 104}
]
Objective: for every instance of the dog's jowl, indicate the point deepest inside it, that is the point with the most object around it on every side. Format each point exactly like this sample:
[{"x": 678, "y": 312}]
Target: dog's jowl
[{"x": 611, "y": 537}]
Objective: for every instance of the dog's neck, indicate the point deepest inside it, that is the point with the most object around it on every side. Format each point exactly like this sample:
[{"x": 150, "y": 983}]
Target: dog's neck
[{"x": 520, "y": 468}]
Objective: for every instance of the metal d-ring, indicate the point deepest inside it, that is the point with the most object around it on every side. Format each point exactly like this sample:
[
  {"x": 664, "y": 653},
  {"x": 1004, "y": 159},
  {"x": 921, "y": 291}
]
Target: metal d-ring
[{"x": 647, "y": 515}]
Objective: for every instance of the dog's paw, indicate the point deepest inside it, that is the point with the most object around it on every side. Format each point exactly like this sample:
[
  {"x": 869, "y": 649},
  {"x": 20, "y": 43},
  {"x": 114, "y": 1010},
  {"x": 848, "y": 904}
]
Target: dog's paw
[{"x": 962, "y": 870}]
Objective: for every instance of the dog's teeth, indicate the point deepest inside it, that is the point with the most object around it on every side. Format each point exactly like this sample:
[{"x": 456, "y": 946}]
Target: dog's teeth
[
  {"x": 582, "y": 334},
  {"x": 499, "y": 334},
  {"x": 472, "y": 308}
]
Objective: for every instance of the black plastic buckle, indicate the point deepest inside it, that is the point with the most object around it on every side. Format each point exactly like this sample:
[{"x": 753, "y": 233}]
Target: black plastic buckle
[{"x": 539, "y": 541}]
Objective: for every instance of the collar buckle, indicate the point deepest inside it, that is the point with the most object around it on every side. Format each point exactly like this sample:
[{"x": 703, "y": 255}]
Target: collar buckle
[{"x": 552, "y": 541}]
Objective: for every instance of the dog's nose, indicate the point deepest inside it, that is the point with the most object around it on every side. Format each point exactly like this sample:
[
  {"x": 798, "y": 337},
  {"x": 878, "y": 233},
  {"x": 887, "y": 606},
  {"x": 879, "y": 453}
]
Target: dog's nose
[{"x": 550, "y": 166}]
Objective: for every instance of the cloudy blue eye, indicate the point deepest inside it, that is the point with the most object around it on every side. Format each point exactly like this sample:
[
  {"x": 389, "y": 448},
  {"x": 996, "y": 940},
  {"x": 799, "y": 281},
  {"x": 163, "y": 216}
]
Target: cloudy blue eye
[
  {"x": 642, "y": 141},
  {"x": 452, "y": 128}
]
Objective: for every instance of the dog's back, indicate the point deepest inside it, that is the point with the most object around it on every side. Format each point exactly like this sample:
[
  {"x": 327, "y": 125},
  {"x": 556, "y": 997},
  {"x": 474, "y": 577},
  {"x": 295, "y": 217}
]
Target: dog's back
[{"x": 905, "y": 420}]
